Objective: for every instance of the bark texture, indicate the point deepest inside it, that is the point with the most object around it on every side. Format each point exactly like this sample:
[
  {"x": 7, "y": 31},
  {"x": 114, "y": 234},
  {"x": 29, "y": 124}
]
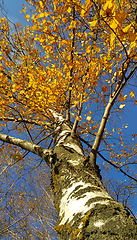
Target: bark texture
[{"x": 85, "y": 209}]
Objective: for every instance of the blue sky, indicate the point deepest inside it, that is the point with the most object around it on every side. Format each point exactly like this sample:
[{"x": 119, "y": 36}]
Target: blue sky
[
  {"x": 130, "y": 113},
  {"x": 13, "y": 8}
]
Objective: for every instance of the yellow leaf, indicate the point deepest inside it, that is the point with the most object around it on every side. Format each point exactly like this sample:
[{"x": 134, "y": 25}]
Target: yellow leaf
[
  {"x": 93, "y": 23},
  {"x": 41, "y": 15},
  {"x": 27, "y": 16},
  {"x": 69, "y": 10},
  {"x": 125, "y": 97},
  {"x": 120, "y": 16},
  {"x": 105, "y": 89},
  {"x": 109, "y": 8},
  {"x": 87, "y": 2},
  {"x": 46, "y": 14},
  {"x": 121, "y": 99},
  {"x": 112, "y": 38},
  {"x": 88, "y": 49},
  {"x": 72, "y": 24},
  {"x": 133, "y": 44},
  {"x": 122, "y": 106},
  {"x": 82, "y": 12},
  {"x": 34, "y": 27},
  {"x": 132, "y": 36},
  {"x": 108, "y": 4},
  {"x": 132, "y": 95},
  {"x": 114, "y": 24},
  {"x": 54, "y": 4},
  {"x": 108, "y": 57},
  {"x": 41, "y": 4},
  {"x": 127, "y": 28},
  {"x": 79, "y": 118},
  {"x": 22, "y": 91},
  {"x": 88, "y": 118}
]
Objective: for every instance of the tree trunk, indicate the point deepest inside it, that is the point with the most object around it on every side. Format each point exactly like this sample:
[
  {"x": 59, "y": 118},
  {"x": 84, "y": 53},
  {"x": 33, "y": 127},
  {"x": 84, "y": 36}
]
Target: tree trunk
[{"x": 85, "y": 209}]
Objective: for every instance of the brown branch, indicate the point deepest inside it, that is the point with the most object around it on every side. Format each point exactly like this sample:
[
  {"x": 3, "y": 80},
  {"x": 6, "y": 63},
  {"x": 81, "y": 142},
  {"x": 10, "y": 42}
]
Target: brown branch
[
  {"x": 132, "y": 72},
  {"x": 71, "y": 71},
  {"x": 120, "y": 85},
  {"x": 77, "y": 117},
  {"x": 116, "y": 167},
  {"x": 89, "y": 145},
  {"x": 24, "y": 123},
  {"x": 116, "y": 36}
]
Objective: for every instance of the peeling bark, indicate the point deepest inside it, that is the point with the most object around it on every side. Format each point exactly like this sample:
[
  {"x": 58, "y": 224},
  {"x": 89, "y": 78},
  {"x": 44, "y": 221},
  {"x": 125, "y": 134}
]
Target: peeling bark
[{"x": 85, "y": 209}]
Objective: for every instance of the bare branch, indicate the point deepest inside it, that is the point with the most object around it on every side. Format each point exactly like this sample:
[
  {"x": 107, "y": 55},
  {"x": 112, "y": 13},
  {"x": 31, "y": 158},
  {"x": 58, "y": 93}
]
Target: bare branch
[
  {"x": 119, "y": 86},
  {"x": 25, "y": 125},
  {"x": 115, "y": 166},
  {"x": 132, "y": 72},
  {"x": 71, "y": 71},
  {"x": 24, "y": 120},
  {"x": 100, "y": 132},
  {"x": 7, "y": 228},
  {"x": 42, "y": 152},
  {"x": 77, "y": 117}
]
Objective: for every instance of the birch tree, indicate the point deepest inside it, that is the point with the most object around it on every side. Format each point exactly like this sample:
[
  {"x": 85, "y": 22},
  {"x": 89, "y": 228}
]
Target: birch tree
[{"x": 65, "y": 80}]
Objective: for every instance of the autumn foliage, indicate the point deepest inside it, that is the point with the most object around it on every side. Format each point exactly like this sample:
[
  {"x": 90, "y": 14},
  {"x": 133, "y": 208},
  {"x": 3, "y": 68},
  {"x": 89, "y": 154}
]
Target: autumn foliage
[{"x": 72, "y": 57}]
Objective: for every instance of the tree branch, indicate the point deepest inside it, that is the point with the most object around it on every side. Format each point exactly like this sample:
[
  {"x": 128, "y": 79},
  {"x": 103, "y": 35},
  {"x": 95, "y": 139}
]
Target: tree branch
[
  {"x": 119, "y": 86},
  {"x": 116, "y": 37},
  {"x": 71, "y": 71},
  {"x": 116, "y": 167},
  {"x": 25, "y": 125},
  {"x": 24, "y": 120},
  {"x": 77, "y": 118},
  {"x": 100, "y": 132},
  {"x": 42, "y": 152},
  {"x": 6, "y": 229},
  {"x": 89, "y": 145}
]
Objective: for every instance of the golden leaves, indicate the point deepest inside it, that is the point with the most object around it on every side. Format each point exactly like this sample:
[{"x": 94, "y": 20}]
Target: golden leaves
[
  {"x": 108, "y": 9},
  {"x": 88, "y": 118},
  {"x": 75, "y": 51},
  {"x": 27, "y": 17},
  {"x": 93, "y": 23},
  {"x": 122, "y": 105},
  {"x": 69, "y": 10},
  {"x": 132, "y": 95},
  {"x": 105, "y": 89},
  {"x": 121, "y": 99},
  {"x": 41, "y": 5},
  {"x": 120, "y": 16}
]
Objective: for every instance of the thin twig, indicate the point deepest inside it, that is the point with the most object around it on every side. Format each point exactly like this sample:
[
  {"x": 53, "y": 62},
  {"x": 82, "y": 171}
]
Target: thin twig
[
  {"x": 89, "y": 145},
  {"x": 116, "y": 36},
  {"x": 23, "y": 120},
  {"x": 116, "y": 167},
  {"x": 6, "y": 229},
  {"x": 24, "y": 123}
]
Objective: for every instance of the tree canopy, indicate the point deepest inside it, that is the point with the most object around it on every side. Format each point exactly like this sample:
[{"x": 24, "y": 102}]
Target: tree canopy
[{"x": 77, "y": 58}]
